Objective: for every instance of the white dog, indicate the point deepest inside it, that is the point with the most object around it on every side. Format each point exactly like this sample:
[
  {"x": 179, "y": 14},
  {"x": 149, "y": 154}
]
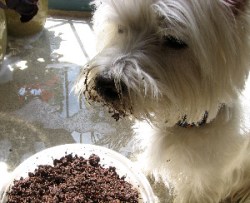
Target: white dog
[{"x": 180, "y": 64}]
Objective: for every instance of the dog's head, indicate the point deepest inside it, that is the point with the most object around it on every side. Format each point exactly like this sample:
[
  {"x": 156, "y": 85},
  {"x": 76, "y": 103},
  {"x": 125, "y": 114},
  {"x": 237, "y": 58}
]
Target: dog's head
[{"x": 168, "y": 59}]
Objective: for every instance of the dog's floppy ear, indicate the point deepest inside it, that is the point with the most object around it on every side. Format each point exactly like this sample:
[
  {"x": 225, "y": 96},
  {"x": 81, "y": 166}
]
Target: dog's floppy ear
[{"x": 236, "y": 5}]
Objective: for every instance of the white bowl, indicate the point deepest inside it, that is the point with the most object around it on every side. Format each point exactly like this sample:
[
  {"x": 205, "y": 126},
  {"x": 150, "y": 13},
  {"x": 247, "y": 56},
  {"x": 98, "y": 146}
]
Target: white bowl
[{"x": 108, "y": 158}]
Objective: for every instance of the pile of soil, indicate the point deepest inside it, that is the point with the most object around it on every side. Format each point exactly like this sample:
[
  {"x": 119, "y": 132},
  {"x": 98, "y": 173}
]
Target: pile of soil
[{"x": 73, "y": 179}]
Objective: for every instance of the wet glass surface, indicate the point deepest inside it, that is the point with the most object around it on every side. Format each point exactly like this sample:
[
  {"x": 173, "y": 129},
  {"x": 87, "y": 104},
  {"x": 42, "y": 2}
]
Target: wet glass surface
[{"x": 37, "y": 106}]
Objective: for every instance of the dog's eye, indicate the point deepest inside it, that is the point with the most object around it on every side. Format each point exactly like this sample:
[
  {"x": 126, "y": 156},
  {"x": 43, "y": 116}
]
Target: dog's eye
[{"x": 173, "y": 42}]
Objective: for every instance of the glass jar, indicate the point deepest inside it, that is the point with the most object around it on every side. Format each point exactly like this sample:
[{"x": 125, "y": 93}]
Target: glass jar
[{"x": 3, "y": 35}]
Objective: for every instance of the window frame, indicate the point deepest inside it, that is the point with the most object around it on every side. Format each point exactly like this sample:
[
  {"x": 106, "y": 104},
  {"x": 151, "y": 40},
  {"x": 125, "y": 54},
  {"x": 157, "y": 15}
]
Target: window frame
[{"x": 70, "y": 5}]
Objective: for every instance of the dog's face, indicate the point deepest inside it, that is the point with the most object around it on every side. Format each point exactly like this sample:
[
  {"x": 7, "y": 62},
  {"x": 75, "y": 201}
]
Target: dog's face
[{"x": 167, "y": 58}]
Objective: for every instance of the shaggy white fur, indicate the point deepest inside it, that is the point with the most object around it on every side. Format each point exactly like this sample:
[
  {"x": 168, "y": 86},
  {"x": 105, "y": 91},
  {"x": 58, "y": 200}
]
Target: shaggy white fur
[{"x": 182, "y": 65}]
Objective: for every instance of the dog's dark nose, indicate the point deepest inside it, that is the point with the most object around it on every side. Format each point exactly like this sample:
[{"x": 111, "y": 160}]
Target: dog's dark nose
[{"x": 106, "y": 88}]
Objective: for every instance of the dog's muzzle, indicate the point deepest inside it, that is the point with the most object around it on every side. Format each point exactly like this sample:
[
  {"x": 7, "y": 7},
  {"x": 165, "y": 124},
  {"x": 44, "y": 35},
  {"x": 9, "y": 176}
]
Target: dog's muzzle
[
  {"x": 114, "y": 95},
  {"x": 105, "y": 88}
]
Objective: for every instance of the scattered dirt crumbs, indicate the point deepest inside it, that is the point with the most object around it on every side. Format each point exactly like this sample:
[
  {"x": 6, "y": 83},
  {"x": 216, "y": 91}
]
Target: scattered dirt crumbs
[{"x": 73, "y": 179}]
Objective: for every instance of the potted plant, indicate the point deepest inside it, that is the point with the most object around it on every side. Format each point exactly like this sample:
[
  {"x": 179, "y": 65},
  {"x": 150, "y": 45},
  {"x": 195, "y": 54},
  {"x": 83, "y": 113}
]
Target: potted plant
[{"x": 25, "y": 17}]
